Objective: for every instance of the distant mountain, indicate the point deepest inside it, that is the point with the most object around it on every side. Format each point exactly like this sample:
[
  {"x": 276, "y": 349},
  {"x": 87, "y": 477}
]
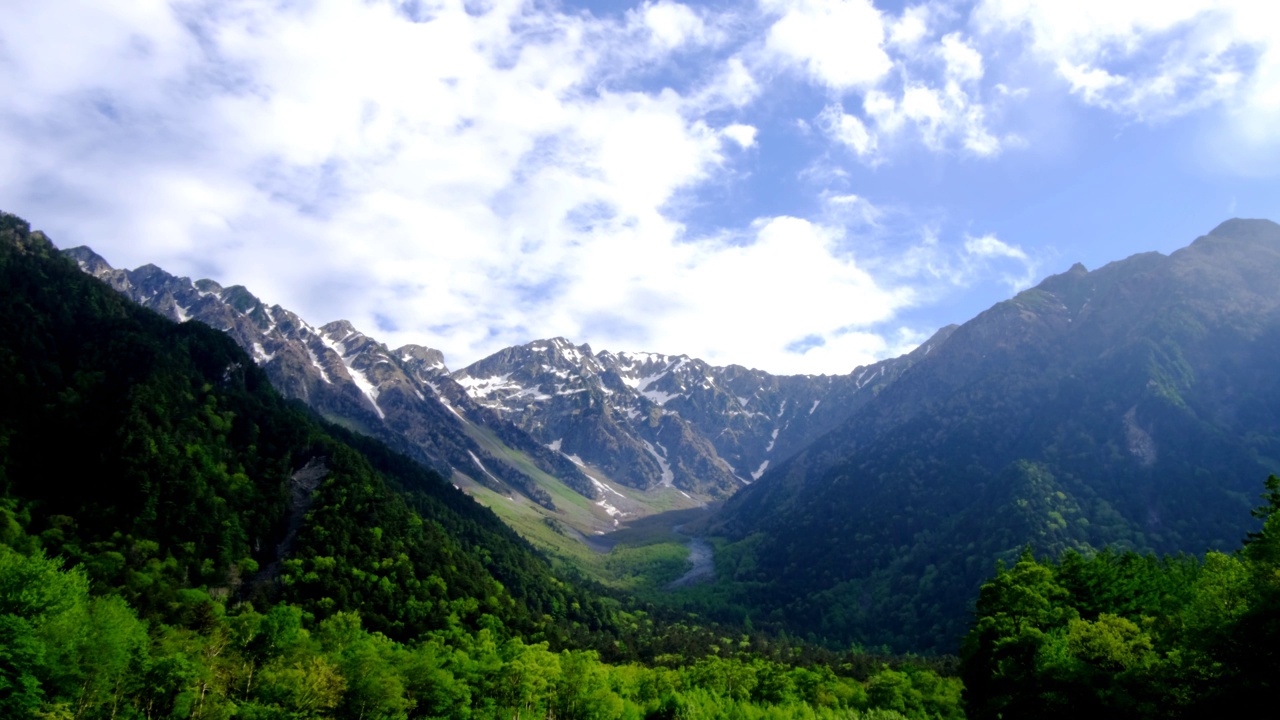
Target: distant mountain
[
  {"x": 1137, "y": 405},
  {"x": 531, "y": 417},
  {"x": 648, "y": 420},
  {"x": 404, "y": 397}
]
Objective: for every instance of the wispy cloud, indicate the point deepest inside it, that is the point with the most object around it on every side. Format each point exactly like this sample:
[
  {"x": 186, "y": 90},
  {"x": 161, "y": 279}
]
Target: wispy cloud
[{"x": 1154, "y": 62}]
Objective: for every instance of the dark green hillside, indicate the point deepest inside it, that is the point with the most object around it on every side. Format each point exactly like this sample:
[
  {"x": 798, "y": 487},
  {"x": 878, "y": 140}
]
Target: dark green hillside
[
  {"x": 1132, "y": 406},
  {"x": 1125, "y": 635},
  {"x": 159, "y": 456}
]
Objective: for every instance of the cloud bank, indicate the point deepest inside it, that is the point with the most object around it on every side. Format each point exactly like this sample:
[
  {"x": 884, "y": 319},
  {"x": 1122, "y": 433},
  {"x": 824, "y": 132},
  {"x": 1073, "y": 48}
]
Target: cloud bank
[{"x": 474, "y": 175}]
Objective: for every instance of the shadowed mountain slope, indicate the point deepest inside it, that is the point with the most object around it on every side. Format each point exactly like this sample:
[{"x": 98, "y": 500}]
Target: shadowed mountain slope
[{"x": 1137, "y": 405}]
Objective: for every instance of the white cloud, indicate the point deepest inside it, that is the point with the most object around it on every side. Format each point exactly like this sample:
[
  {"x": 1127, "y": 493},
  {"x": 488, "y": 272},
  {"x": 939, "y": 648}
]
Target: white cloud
[
  {"x": 977, "y": 259},
  {"x": 469, "y": 177},
  {"x": 673, "y": 24},
  {"x": 1149, "y": 61},
  {"x": 963, "y": 62},
  {"x": 484, "y": 175},
  {"x": 941, "y": 116},
  {"x": 743, "y": 135},
  {"x": 838, "y": 42},
  {"x": 1154, "y": 62},
  {"x": 848, "y": 130},
  {"x": 733, "y": 85},
  {"x": 911, "y": 27},
  {"x": 914, "y": 80},
  {"x": 800, "y": 285}
]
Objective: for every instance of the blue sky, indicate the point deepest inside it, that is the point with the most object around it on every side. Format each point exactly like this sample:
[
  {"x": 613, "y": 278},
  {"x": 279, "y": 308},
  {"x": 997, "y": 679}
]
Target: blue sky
[{"x": 800, "y": 186}]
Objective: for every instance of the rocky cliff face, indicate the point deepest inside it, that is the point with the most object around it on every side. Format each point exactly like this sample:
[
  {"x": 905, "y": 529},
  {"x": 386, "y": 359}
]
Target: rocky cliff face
[{"x": 649, "y": 419}]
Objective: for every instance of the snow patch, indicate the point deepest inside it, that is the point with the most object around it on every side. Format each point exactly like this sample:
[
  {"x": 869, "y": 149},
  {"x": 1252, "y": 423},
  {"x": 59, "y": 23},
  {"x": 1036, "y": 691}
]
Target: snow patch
[
  {"x": 483, "y": 469},
  {"x": 816, "y": 403},
  {"x": 643, "y": 383},
  {"x": 445, "y": 401},
  {"x": 667, "y": 475},
  {"x": 316, "y": 362},
  {"x": 760, "y": 471},
  {"x": 774, "y": 439},
  {"x": 183, "y": 314},
  {"x": 260, "y": 355},
  {"x": 555, "y": 446},
  {"x": 659, "y": 397},
  {"x": 533, "y": 392},
  {"x": 604, "y": 488},
  {"x": 358, "y": 377},
  {"x": 483, "y": 387}
]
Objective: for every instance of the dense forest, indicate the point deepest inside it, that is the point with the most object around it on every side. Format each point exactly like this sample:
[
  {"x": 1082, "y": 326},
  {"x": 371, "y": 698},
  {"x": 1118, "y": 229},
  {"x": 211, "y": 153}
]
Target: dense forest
[
  {"x": 176, "y": 540},
  {"x": 1126, "y": 635}
]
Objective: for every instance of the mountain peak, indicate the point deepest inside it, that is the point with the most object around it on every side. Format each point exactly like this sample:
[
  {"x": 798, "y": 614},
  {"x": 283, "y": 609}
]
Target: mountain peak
[
  {"x": 1247, "y": 229},
  {"x": 239, "y": 297},
  {"x": 88, "y": 260},
  {"x": 339, "y": 329},
  {"x": 207, "y": 286},
  {"x": 430, "y": 356}
]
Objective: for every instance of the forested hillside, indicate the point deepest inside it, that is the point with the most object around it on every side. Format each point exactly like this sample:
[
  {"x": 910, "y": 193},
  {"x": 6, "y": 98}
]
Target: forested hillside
[
  {"x": 176, "y": 540},
  {"x": 155, "y": 452},
  {"x": 1125, "y": 635},
  {"x": 1134, "y": 406}
]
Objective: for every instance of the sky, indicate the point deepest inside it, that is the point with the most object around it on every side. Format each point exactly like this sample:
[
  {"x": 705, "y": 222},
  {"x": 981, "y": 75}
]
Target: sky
[{"x": 800, "y": 186}]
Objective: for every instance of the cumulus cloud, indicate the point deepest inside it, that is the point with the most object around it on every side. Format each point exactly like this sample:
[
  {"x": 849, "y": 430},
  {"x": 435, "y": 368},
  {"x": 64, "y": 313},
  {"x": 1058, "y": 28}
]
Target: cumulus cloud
[
  {"x": 743, "y": 135},
  {"x": 1150, "y": 61},
  {"x": 913, "y": 73},
  {"x": 1155, "y": 62},
  {"x": 673, "y": 24},
  {"x": 473, "y": 176},
  {"x": 838, "y": 42},
  {"x": 922, "y": 73},
  {"x": 486, "y": 174},
  {"x": 847, "y": 130}
]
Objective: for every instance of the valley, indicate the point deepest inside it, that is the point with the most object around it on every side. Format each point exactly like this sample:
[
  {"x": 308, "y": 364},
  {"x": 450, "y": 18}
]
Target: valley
[
  {"x": 570, "y": 500},
  {"x": 1049, "y": 419}
]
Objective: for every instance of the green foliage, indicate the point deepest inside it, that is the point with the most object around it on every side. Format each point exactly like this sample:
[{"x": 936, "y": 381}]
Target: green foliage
[
  {"x": 67, "y": 653},
  {"x": 1127, "y": 635}
]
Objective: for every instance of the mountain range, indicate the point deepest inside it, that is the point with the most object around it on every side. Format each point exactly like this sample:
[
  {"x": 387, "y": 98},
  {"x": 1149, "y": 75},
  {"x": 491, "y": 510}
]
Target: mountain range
[
  {"x": 631, "y": 432},
  {"x": 1134, "y": 406}
]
